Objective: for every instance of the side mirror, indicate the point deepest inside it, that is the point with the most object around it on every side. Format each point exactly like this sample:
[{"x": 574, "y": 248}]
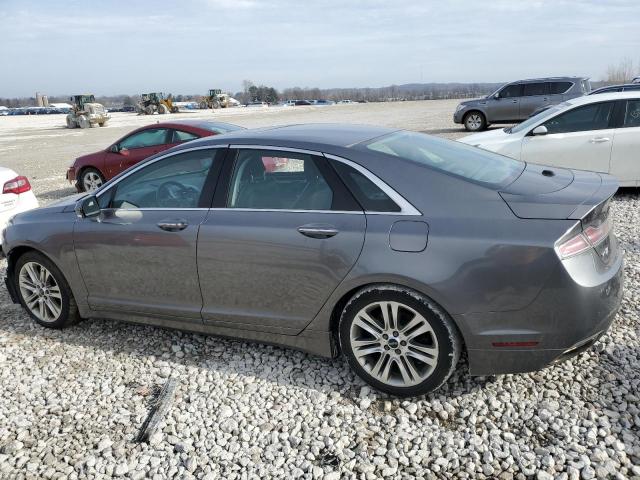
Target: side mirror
[
  {"x": 497, "y": 96},
  {"x": 87, "y": 207},
  {"x": 115, "y": 148},
  {"x": 540, "y": 130}
]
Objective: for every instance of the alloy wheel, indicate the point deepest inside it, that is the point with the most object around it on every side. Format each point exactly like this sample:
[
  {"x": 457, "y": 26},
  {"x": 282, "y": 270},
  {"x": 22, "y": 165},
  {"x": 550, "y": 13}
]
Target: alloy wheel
[
  {"x": 474, "y": 121},
  {"x": 394, "y": 343},
  {"x": 91, "y": 181},
  {"x": 40, "y": 291}
]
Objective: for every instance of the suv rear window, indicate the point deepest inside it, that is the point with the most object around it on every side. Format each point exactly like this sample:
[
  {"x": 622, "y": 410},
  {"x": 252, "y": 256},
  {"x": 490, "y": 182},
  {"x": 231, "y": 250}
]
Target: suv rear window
[
  {"x": 557, "y": 88},
  {"x": 451, "y": 157}
]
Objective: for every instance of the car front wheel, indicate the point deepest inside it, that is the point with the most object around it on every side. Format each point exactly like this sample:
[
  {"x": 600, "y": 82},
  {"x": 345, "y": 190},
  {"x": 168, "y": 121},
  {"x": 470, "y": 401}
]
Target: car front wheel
[
  {"x": 90, "y": 180},
  {"x": 399, "y": 341},
  {"x": 44, "y": 292},
  {"x": 475, "y": 121}
]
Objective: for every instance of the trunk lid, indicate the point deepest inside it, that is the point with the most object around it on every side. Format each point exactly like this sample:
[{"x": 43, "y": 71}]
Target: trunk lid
[{"x": 557, "y": 193}]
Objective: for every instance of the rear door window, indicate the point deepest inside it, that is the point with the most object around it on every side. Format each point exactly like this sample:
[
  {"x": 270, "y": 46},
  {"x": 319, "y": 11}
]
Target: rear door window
[
  {"x": 558, "y": 88},
  {"x": 274, "y": 180},
  {"x": 511, "y": 91},
  {"x": 632, "y": 114},
  {"x": 532, "y": 89},
  {"x": 596, "y": 116}
]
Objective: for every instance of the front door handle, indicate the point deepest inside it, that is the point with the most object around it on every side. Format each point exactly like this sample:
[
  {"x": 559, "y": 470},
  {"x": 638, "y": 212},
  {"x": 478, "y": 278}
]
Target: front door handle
[
  {"x": 599, "y": 139},
  {"x": 318, "y": 231},
  {"x": 173, "y": 225}
]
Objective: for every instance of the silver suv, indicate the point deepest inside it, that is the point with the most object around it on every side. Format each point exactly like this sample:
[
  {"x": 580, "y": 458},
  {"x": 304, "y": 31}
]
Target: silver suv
[{"x": 516, "y": 101}]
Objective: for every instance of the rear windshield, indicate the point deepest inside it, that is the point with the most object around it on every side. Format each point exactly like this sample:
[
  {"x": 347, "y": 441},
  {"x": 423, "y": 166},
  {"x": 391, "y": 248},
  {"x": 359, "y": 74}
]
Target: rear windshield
[
  {"x": 220, "y": 127},
  {"x": 451, "y": 157}
]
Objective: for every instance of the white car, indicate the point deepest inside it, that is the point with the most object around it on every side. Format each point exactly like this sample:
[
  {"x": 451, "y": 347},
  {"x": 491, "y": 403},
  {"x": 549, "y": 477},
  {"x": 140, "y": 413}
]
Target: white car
[
  {"x": 16, "y": 196},
  {"x": 596, "y": 132}
]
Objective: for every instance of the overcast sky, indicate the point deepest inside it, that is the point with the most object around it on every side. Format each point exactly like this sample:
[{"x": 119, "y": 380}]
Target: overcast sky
[{"x": 188, "y": 46}]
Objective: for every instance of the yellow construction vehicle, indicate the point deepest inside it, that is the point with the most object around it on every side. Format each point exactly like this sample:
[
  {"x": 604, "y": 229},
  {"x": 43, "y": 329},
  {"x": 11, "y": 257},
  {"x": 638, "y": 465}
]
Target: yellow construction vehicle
[
  {"x": 151, "y": 103},
  {"x": 86, "y": 113},
  {"x": 215, "y": 99}
]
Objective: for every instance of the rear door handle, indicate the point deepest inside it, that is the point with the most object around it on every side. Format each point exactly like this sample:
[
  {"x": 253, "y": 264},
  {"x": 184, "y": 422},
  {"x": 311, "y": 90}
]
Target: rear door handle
[
  {"x": 599, "y": 139},
  {"x": 173, "y": 225},
  {"x": 318, "y": 231}
]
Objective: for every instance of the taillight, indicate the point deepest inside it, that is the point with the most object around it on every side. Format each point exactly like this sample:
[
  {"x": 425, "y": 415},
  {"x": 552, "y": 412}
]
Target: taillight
[
  {"x": 589, "y": 237},
  {"x": 573, "y": 246},
  {"x": 17, "y": 185},
  {"x": 596, "y": 234}
]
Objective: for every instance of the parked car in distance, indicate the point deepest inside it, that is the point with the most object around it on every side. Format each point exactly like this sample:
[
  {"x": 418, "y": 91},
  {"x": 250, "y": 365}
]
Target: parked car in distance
[
  {"x": 595, "y": 132},
  {"x": 256, "y": 105},
  {"x": 516, "y": 101},
  {"x": 397, "y": 249},
  {"x": 16, "y": 196},
  {"x": 616, "y": 88},
  {"x": 89, "y": 172},
  {"x": 635, "y": 80}
]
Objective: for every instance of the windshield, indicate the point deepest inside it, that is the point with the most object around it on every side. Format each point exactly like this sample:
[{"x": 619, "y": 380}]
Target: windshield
[
  {"x": 448, "y": 156},
  {"x": 531, "y": 121}
]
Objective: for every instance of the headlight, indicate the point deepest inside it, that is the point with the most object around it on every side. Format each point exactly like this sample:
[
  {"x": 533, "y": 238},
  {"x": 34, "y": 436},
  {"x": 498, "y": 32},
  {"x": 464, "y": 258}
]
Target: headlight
[{"x": 460, "y": 107}]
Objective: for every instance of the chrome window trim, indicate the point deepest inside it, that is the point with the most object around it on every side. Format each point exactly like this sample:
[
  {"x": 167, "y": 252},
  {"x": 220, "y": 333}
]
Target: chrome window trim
[
  {"x": 154, "y": 209},
  {"x": 281, "y": 210},
  {"x": 406, "y": 208},
  {"x": 274, "y": 147},
  {"x": 161, "y": 157}
]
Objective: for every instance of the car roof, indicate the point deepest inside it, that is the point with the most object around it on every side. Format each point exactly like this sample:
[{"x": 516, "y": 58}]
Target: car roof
[
  {"x": 550, "y": 79},
  {"x": 603, "y": 97},
  {"x": 620, "y": 85},
  {"x": 337, "y": 135}
]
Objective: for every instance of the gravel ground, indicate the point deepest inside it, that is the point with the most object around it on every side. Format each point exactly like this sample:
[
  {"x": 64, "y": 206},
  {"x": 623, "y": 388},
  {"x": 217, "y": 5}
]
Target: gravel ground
[{"x": 71, "y": 402}]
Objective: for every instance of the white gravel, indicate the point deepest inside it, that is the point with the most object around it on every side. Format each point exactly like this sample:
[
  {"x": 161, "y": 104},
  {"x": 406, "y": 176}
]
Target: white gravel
[{"x": 72, "y": 401}]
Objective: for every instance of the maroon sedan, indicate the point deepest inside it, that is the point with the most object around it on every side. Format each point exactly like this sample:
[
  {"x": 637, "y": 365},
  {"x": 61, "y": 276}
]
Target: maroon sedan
[{"x": 90, "y": 171}]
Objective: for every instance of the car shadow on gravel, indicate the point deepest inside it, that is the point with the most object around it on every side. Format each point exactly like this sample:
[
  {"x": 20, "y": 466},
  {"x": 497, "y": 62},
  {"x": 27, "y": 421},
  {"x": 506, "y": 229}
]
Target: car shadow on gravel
[
  {"x": 231, "y": 357},
  {"x": 57, "y": 194}
]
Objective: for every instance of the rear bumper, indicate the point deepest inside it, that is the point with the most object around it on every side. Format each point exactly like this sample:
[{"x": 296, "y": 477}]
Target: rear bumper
[
  {"x": 26, "y": 201},
  {"x": 567, "y": 317}
]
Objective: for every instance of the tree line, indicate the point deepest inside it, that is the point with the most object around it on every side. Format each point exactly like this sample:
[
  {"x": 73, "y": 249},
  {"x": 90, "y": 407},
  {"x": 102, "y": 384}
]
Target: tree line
[{"x": 622, "y": 72}]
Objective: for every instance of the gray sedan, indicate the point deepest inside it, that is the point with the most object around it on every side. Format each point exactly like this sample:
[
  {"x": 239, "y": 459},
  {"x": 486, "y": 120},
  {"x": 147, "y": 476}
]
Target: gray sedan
[{"x": 399, "y": 250}]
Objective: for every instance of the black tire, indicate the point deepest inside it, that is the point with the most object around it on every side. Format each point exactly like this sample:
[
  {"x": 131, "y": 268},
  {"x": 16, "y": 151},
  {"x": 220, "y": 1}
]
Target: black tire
[
  {"x": 83, "y": 179},
  {"x": 475, "y": 121},
  {"x": 449, "y": 342},
  {"x": 69, "y": 314}
]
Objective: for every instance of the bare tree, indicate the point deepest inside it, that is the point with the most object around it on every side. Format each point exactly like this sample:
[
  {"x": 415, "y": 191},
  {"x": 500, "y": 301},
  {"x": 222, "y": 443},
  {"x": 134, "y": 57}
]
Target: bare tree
[{"x": 621, "y": 73}]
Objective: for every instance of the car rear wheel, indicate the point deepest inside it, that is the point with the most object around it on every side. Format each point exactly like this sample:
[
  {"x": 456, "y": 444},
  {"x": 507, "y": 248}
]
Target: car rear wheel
[
  {"x": 399, "y": 341},
  {"x": 44, "y": 292},
  {"x": 475, "y": 121},
  {"x": 90, "y": 180}
]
